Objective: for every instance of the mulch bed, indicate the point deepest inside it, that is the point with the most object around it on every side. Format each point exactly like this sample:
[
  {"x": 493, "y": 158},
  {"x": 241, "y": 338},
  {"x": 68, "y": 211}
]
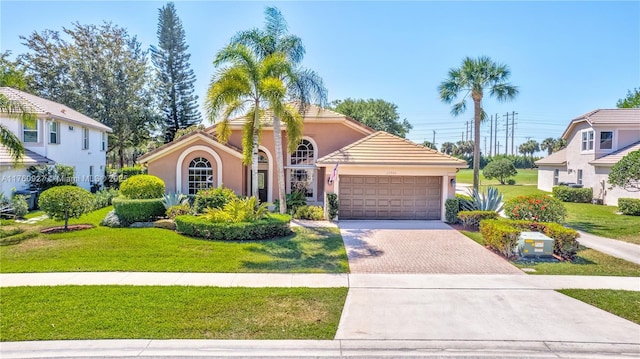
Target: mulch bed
[{"x": 60, "y": 229}]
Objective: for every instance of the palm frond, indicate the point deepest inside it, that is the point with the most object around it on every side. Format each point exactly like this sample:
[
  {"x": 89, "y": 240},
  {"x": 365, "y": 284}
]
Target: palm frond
[
  {"x": 12, "y": 143},
  {"x": 459, "y": 108},
  {"x": 307, "y": 87},
  {"x": 504, "y": 91},
  {"x": 293, "y": 121}
]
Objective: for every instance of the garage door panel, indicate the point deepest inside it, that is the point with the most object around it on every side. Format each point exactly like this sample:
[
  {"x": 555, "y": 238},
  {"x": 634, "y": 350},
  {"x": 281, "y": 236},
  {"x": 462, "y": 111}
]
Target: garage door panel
[{"x": 390, "y": 197}]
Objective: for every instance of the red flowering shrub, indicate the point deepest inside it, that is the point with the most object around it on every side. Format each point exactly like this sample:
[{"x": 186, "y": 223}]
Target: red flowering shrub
[{"x": 537, "y": 208}]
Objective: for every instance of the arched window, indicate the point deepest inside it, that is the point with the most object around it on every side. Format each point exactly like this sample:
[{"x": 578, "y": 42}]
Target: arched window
[
  {"x": 200, "y": 175},
  {"x": 304, "y": 154},
  {"x": 302, "y": 175}
]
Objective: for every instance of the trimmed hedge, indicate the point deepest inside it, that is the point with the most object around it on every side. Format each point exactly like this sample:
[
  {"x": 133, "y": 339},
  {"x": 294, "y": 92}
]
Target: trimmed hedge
[
  {"x": 138, "y": 210},
  {"x": 314, "y": 213},
  {"x": 577, "y": 195},
  {"x": 473, "y": 218},
  {"x": 452, "y": 207},
  {"x": 142, "y": 187},
  {"x": 333, "y": 206},
  {"x": 274, "y": 226},
  {"x": 629, "y": 206},
  {"x": 502, "y": 236}
]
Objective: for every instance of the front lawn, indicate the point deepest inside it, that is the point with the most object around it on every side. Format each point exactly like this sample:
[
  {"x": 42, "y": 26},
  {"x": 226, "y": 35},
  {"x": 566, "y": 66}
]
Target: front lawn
[
  {"x": 176, "y": 312},
  {"x": 622, "y": 303},
  {"x": 524, "y": 177},
  {"x": 603, "y": 221},
  {"x": 588, "y": 262},
  {"x": 104, "y": 249}
]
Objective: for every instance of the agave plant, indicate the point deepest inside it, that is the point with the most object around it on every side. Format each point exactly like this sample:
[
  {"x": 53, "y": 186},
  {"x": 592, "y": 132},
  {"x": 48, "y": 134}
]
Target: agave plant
[
  {"x": 491, "y": 200},
  {"x": 174, "y": 199}
]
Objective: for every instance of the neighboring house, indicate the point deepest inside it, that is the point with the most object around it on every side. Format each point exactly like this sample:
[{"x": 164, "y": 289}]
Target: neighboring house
[
  {"x": 595, "y": 142},
  {"x": 378, "y": 176},
  {"x": 59, "y": 135}
]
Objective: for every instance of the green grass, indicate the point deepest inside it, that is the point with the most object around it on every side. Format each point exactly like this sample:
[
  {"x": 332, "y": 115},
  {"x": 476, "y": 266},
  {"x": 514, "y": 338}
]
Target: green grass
[
  {"x": 622, "y": 303},
  {"x": 34, "y": 214},
  {"x": 524, "y": 177},
  {"x": 603, "y": 221},
  {"x": 176, "y": 312},
  {"x": 103, "y": 249},
  {"x": 587, "y": 262}
]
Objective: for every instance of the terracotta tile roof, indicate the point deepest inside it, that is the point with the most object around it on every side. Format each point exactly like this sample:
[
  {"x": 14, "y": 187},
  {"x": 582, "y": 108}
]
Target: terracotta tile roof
[
  {"x": 382, "y": 148},
  {"x": 30, "y": 158},
  {"x": 42, "y": 106},
  {"x": 166, "y": 146},
  {"x": 612, "y": 116},
  {"x": 556, "y": 158},
  {"x": 614, "y": 157},
  {"x": 312, "y": 113}
]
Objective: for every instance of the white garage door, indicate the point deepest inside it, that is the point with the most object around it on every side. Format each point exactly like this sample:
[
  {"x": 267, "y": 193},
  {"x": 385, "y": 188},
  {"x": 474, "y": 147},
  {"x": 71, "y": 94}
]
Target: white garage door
[{"x": 390, "y": 197}]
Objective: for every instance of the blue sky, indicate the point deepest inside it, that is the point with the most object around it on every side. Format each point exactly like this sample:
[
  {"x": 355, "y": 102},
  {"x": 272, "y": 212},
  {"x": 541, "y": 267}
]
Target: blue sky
[{"x": 567, "y": 58}]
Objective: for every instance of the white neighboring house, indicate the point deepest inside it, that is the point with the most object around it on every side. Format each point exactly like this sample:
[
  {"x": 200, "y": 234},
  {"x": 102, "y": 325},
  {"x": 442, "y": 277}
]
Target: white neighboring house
[
  {"x": 59, "y": 135},
  {"x": 595, "y": 142}
]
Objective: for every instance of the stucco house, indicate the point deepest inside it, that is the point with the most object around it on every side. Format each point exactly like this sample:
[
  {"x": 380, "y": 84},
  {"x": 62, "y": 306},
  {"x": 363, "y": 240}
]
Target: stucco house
[
  {"x": 58, "y": 135},
  {"x": 595, "y": 142},
  {"x": 377, "y": 175}
]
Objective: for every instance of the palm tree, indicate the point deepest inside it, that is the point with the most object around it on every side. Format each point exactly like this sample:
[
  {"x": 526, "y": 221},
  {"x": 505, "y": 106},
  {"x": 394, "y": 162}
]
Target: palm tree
[
  {"x": 13, "y": 109},
  {"x": 472, "y": 78},
  {"x": 548, "y": 144},
  {"x": 247, "y": 85},
  {"x": 448, "y": 148},
  {"x": 303, "y": 85}
]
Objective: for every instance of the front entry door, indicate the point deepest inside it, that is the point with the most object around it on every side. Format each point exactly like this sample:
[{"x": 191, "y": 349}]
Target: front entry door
[{"x": 262, "y": 185}]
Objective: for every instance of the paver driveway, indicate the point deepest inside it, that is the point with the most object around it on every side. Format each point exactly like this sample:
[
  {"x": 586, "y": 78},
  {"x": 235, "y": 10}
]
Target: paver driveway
[{"x": 416, "y": 247}]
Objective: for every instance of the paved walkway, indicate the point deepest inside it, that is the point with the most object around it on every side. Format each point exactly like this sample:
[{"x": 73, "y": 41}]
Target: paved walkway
[
  {"x": 619, "y": 249},
  {"x": 416, "y": 247}
]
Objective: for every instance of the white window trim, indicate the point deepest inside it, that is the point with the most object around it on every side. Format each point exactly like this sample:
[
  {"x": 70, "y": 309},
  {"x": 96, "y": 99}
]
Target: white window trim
[
  {"x": 85, "y": 138},
  {"x": 304, "y": 167},
  {"x": 191, "y": 168},
  {"x": 37, "y": 130},
  {"x": 613, "y": 141},
  {"x": 582, "y": 140},
  {"x": 189, "y": 150},
  {"x": 57, "y": 132}
]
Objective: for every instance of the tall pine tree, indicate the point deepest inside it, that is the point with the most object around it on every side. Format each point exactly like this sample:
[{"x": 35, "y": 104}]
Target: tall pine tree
[{"x": 175, "y": 78}]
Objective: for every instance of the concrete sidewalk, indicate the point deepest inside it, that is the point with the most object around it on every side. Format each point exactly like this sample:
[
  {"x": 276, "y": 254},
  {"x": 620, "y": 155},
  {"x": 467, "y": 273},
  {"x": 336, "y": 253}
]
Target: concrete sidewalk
[
  {"x": 619, "y": 249},
  {"x": 324, "y": 280},
  {"x": 314, "y": 348}
]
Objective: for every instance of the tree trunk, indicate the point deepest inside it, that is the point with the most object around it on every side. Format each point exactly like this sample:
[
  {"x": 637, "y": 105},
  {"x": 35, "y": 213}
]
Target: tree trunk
[
  {"x": 254, "y": 150},
  {"x": 277, "y": 138},
  {"x": 121, "y": 156},
  {"x": 477, "y": 116}
]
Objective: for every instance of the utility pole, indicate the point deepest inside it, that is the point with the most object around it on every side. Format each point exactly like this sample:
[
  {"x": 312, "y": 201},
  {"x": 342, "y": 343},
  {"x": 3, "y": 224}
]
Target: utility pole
[
  {"x": 491, "y": 137},
  {"x": 495, "y": 136},
  {"x": 485, "y": 145},
  {"x": 462, "y": 138},
  {"x": 506, "y": 135},
  {"x": 513, "y": 127},
  {"x": 434, "y": 139},
  {"x": 498, "y": 144}
]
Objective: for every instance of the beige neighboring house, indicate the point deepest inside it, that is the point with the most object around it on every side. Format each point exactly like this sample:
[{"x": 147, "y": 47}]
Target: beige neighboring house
[
  {"x": 58, "y": 135},
  {"x": 595, "y": 142},
  {"x": 377, "y": 175}
]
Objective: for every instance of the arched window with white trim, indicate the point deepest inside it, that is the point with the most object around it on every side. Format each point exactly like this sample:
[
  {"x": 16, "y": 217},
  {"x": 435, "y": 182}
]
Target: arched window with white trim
[
  {"x": 302, "y": 169},
  {"x": 200, "y": 175}
]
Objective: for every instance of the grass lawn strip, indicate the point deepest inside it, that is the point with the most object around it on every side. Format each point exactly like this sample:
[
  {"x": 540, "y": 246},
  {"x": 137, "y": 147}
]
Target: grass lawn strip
[
  {"x": 588, "y": 262},
  {"x": 603, "y": 221},
  {"x": 524, "y": 177},
  {"x": 101, "y": 249},
  {"x": 622, "y": 303},
  {"x": 178, "y": 312}
]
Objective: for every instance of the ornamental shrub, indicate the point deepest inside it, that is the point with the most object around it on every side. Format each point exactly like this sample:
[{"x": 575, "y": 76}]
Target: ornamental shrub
[
  {"x": 273, "y": 226},
  {"x": 238, "y": 210},
  {"x": 111, "y": 220},
  {"x": 538, "y": 208},
  {"x": 212, "y": 198},
  {"x": 64, "y": 202},
  {"x": 104, "y": 197},
  {"x": 294, "y": 200},
  {"x": 501, "y": 169},
  {"x": 500, "y": 236},
  {"x": 577, "y": 195},
  {"x": 142, "y": 187},
  {"x": 20, "y": 205},
  {"x": 629, "y": 206},
  {"x": 452, "y": 207},
  {"x": 314, "y": 213},
  {"x": 127, "y": 172},
  {"x": 43, "y": 177},
  {"x": 464, "y": 202},
  {"x": 138, "y": 210},
  {"x": 178, "y": 210},
  {"x": 333, "y": 206},
  {"x": 473, "y": 218}
]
